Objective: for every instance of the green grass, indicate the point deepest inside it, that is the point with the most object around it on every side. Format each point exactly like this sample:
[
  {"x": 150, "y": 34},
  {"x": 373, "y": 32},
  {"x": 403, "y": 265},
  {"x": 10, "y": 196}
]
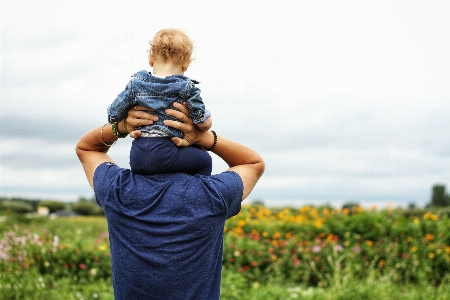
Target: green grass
[
  {"x": 235, "y": 287},
  {"x": 86, "y": 237}
]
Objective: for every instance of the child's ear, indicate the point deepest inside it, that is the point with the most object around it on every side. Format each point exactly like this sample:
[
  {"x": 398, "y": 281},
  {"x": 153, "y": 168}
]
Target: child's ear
[
  {"x": 185, "y": 66},
  {"x": 151, "y": 60}
]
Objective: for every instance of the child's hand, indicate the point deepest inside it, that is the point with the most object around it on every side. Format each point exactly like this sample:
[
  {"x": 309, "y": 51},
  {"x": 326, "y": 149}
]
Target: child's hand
[{"x": 205, "y": 126}]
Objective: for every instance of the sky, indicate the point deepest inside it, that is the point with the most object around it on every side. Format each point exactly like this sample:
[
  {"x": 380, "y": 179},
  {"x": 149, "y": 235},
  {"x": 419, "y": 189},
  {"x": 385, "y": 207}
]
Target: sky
[{"x": 346, "y": 101}]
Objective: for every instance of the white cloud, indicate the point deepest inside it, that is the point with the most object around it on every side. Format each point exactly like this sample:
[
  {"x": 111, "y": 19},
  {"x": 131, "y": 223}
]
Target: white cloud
[{"x": 343, "y": 99}]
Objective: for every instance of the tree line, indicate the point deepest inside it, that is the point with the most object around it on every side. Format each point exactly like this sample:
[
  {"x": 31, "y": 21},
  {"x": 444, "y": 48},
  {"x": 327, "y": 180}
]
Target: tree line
[
  {"x": 88, "y": 207},
  {"x": 84, "y": 206}
]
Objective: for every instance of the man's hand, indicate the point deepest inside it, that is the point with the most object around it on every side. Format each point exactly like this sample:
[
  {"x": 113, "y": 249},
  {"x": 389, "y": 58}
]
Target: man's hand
[
  {"x": 192, "y": 134},
  {"x": 138, "y": 116}
]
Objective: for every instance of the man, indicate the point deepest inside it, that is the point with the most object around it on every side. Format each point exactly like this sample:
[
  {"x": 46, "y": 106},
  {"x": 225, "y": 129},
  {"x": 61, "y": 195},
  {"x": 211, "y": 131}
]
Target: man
[{"x": 166, "y": 230}]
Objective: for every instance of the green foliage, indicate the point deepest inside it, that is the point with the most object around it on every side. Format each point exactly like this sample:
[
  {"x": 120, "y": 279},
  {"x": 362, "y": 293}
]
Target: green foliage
[
  {"x": 58, "y": 259},
  {"x": 350, "y": 205},
  {"x": 322, "y": 248},
  {"x": 33, "y": 203},
  {"x": 85, "y": 208},
  {"x": 306, "y": 253},
  {"x": 439, "y": 197},
  {"x": 16, "y": 206},
  {"x": 53, "y": 205}
]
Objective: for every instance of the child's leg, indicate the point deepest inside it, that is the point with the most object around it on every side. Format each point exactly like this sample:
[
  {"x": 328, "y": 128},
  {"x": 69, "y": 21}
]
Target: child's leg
[
  {"x": 160, "y": 155},
  {"x": 150, "y": 156},
  {"x": 192, "y": 160}
]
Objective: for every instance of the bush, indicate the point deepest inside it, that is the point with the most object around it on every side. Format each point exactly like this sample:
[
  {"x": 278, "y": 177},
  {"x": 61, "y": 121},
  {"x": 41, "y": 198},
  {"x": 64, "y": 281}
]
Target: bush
[
  {"x": 317, "y": 246},
  {"x": 53, "y": 205},
  {"x": 16, "y": 206},
  {"x": 87, "y": 209}
]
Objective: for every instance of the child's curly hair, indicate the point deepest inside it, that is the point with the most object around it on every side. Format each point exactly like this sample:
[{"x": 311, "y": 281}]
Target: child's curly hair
[{"x": 172, "y": 44}]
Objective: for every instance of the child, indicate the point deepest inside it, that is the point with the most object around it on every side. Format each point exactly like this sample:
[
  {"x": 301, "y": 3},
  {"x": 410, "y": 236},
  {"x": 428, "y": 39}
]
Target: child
[{"x": 154, "y": 152}]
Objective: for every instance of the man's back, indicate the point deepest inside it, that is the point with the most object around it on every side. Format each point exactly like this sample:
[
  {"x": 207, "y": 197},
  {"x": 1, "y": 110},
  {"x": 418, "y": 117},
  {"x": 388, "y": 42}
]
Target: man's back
[{"x": 166, "y": 231}]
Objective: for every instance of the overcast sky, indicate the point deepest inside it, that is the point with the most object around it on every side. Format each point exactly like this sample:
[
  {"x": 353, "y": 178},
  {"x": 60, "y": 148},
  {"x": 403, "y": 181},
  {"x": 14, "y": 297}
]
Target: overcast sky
[{"x": 346, "y": 101}]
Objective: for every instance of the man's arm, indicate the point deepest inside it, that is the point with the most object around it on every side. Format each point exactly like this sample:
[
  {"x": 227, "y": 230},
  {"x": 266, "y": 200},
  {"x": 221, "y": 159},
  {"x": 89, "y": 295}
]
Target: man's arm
[
  {"x": 241, "y": 159},
  {"x": 92, "y": 148}
]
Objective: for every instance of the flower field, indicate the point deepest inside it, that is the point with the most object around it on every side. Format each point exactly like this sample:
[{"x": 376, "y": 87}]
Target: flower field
[
  {"x": 321, "y": 247},
  {"x": 283, "y": 253}
]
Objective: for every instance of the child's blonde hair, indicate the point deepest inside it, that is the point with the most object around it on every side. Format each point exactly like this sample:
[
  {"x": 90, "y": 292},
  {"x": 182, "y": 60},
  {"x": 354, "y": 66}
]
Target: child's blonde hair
[{"x": 172, "y": 44}]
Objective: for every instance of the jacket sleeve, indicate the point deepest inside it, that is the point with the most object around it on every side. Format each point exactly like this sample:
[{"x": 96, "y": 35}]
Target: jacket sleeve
[
  {"x": 117, "y": 111},
  {"x": 196, "y": 107}
]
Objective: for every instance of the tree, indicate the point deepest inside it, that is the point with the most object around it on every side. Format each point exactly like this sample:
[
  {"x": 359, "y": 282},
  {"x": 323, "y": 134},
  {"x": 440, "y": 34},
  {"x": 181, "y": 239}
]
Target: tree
[
  {"x": 16, "y": 206},
  {"x": 87, "y": 208},
  {"x": 53, "y": 205},
  {"x": 439, "y": 197}
]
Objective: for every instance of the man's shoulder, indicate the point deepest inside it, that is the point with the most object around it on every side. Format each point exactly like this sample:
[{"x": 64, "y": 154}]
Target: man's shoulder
[{"x": 225, "y": 182}]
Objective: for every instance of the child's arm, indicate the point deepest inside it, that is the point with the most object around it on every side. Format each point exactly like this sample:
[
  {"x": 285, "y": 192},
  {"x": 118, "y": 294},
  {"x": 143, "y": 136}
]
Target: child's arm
[
  {"x": 205, "y": 126},
  {"x": 118, "y": 109},
  {"x": 197, "y": 110}
]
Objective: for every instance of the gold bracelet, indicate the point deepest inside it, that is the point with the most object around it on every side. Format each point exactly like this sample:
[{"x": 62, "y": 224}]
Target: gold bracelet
[{"x": 101, "y": 135}]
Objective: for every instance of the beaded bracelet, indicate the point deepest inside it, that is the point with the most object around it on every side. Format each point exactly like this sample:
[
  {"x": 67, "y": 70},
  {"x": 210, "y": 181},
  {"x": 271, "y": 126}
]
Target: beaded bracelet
[
  {"x": 124, "y": 125},
  {"x": 215, "y": 142},
  {"x": 116, "y": 131},
  {"x": 101, "y": 135}
]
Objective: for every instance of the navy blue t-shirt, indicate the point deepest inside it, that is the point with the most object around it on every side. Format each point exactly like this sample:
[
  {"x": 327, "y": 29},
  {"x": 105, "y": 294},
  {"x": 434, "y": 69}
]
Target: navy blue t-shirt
[{"x": 166, "y": 231}]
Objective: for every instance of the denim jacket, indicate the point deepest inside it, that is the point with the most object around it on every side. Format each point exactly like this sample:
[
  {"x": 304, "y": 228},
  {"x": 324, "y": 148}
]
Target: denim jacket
[{"x": 159, "y": 93}]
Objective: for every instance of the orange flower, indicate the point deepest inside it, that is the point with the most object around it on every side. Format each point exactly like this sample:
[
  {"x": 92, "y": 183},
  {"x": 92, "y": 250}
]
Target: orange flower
[
  {"x": 330, "y": 238},
  {"x": 429, "y": 237},
  {"x": 276, "y": 235}
]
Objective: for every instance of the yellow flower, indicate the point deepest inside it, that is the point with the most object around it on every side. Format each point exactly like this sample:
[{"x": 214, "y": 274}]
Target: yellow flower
[
  {"x": 414, "y": 249},
  {"x": 369, "y": 243},
  {"x": 241, "y": 223},
  {"x": 318, "y": 223},
  {"x": 409, "y": 239},
  {"x": 431, "y": 255}
]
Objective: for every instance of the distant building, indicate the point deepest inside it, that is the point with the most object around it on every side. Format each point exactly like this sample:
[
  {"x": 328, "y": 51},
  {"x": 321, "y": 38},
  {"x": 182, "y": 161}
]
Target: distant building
[{"x": 43, "y": 211}]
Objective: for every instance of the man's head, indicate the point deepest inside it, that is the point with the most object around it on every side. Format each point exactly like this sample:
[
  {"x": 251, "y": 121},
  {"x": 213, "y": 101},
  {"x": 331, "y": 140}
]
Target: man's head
[{"x": 171, "y": 46}]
